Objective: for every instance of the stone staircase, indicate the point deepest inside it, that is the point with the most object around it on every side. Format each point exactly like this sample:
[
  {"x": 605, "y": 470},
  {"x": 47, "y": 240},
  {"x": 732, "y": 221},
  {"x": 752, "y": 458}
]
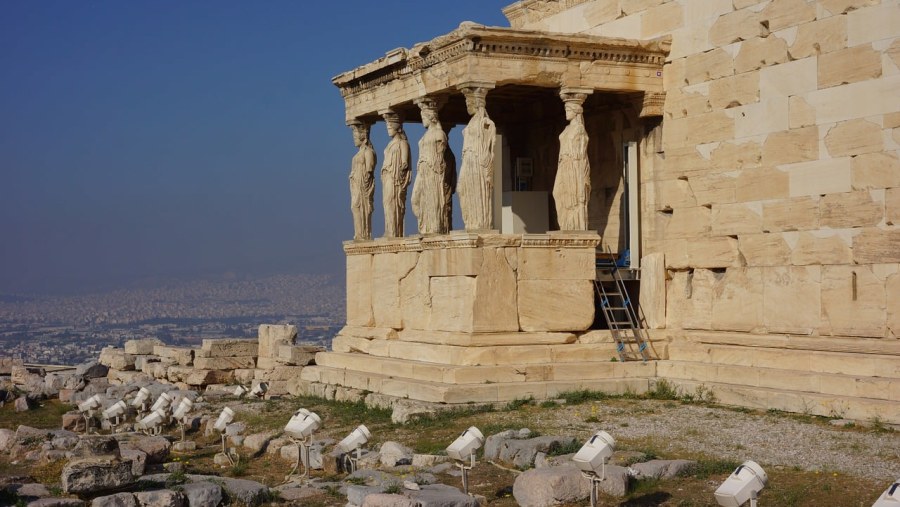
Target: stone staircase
[
  {"x": 482, "y": 368},
  {"x": 847, "y": 378}
]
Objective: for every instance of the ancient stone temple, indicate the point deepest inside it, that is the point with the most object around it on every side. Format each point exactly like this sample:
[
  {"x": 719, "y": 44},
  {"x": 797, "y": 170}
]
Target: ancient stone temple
[{"x": 737, "y": 159}]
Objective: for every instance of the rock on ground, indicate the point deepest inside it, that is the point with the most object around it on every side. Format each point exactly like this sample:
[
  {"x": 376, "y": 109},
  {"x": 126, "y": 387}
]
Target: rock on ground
[
  {"x": 94, "y": 475},
  {"x": 394, "y": 454},
  {"x": 56, "y": 502},
  {"x": 156, "y": 448},
  {"x": 117, "y": 500},
  {"x": 662, "y": 469},
  {"x": 387, "y": 500},
  {"x": 160, "y": 498},
  {"x": 541, "y": 487},
  {"x": 202, "y": 494}
]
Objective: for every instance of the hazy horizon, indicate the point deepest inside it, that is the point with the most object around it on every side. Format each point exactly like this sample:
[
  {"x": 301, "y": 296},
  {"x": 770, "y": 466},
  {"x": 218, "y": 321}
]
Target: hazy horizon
[{"x": 187, "y": 139}]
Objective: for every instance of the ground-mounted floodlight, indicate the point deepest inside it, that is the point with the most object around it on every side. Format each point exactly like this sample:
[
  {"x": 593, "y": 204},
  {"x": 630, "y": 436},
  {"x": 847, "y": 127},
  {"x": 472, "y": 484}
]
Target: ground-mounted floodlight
[
  {"x": 240, "y": 391},
  {"x": 299, "y": 429},
  {"x": 259, "y": 390},
  {"x": 592, "y": 458},
  {"x": 162, "y": 403},
  {"x": 890, "y": 497},
  {"x": 181, "y": 412},
  {"x": 463, "y": 450},
  {"x": 352, "y": 443},
  {"x": 153, "y": 423},
  {"x": 87, "y": 408},
  {"x": 742, "y": 485},
  {"x": 114, "y": 413},
  {"x": 140, "y": 401},
  {"x": 221, "y": 424}
]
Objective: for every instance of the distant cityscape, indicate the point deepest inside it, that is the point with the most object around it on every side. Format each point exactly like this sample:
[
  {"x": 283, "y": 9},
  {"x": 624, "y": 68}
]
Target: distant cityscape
[{"x": 73, "y": 329}]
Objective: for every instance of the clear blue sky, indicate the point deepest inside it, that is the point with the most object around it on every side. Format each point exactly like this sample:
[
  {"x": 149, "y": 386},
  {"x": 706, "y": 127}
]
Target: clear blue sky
[{"x": 180, "y": 138}]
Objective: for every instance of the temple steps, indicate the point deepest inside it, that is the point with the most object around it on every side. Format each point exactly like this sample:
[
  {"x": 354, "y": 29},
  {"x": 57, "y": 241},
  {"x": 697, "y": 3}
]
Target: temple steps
[
  {"x": 453, "y": 374},
  {"x": 508, "y": 355},
  {"x": 485, "y": 392}
]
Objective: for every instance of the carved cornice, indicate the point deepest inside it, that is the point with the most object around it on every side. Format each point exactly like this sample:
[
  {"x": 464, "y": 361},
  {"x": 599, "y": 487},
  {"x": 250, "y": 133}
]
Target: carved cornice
[
  {"x": 653, "y": 104},
  {"x": 459, "y": 239},
  {"x": 476, "y": 40},
  {"x": 530, "y": 11},
  {"x": 587, "y": 239}
]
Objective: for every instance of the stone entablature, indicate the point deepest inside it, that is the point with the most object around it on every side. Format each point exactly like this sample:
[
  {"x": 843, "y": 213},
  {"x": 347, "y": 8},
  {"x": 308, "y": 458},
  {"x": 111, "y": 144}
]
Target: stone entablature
[
  {"x": 529, "y": 11},
  {"x": 476, "y": 53}
]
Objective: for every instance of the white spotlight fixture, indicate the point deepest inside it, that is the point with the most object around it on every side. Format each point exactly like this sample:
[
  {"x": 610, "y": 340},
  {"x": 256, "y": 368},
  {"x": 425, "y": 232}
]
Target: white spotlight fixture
[
  {"x": 742, "y": 485},
  {"x": 162, "y": 403},
  {"x": 181, "y": 412},
  {"x": 354, "y": 442},
  {"x": 463, "y": 449},
  {"x": 225, "y": 418},
  {"x": 140, "y": 400},
  {"x": 592, "y": 458},
  {"x": 87, "y": 408},
  {"x": 152, "y": 423},
  {"x": 259, "y": 390},
  {"x": 890, "y": 497},
  {"x": 299, "y": 429},
  {"x": 113, "y": 413},
  {"x": 240, "y": 391}
]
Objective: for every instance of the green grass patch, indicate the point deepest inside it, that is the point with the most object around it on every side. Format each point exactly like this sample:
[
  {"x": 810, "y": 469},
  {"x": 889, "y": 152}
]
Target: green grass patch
[
  {"x": 46, "y": 415},
  {"x": 706, "y": 468}
]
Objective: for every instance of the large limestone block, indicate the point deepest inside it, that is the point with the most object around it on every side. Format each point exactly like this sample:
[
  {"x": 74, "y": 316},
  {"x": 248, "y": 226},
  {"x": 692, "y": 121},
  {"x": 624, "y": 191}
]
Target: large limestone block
[
  {"x": 849, "y": 65},
  {"x": 485, "y": 339},
  {"x": 556, "y": 305},
  {"x": 299, "y": 355},
  {"x": 653, "y": 290},
  {"x": 798, "y": 213},
  {"x": 729, "y": 157},
  {"x": 206, "y": 377},
  {"x": 452, "y": 261},
  {"x": 792, "y": 299},
  {"x": 738, "y": 300},
  {"x": 821, "y": 247},
  {"x": 875, "y": 170},
  {"x": 700, "y": 129},
  {"x": 760, "y": 184},
  {"x": 690, "y": 299},
  {"x": 225, "y": 363},
  {"x": 853, "y": 301},
  {"x": 836, "y": 7},
  {"x": 740, "y": 218},
  {"x": 872, "y": 24},
  {"x": 670, "y": 194},
  {"x": 359, "y": 290},
  {"x": 871, "y": 97},
  {"x": 877, "y": 246},
  {"x": 819, "y": 37},
  {"x": 415, "y": 297},
  {"x": 892, "y": 301},
  {"x": 786, "y": 13},
  {"x": 685, "y": 222},
  {"x": 116, "y": 359},
  {"x": 818, "y": 177},
  {"x": 797, "y": 145},
  {"x": 712, "y": 252},
  {"x": 800, "y": 113},
  {"x": 708, "y": 66},
  {"x": 760, "y": 52},
  {"x": 736, "y": 90},
  {"x": 713, "y": 188},
  {"x": 851, "y": 209},
  {"x": 452, "y": 302},
  {"x": 141, "y": 347},
  {"x": 179, "y": 355},
  {"x": 495, "y": 293},
  {"x": 661, "y": 20},
  {"x": 273, "y": 336},
  {"x": 388, "y": 269},
  {"x": 229, "y": 348},
  {"x": 556, "y": 264},
  {"x": 735, "y": 26},
  {"x": 854, "y": 137},
  {"x": 892, "y": 206},
  {"x": 764, "y": 117}
]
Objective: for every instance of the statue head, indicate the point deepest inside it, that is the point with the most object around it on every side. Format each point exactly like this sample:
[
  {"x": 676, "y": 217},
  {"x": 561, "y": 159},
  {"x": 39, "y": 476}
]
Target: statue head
[
  {"x": 475, "y": 99},
  {"x": 429, "y": 107},
  {"x": 573, "y": 100},
  {"x": 393, "y": 122},
  {"x": 360, "y": 132},
  {"x": 573, "y": 110}
]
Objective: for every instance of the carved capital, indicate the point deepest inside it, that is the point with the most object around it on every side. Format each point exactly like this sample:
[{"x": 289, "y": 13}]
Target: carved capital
[
  {"x": 431, "y": 102},
  {"x": 574, "y": 95},
  {"x": 652, "y": 104}
]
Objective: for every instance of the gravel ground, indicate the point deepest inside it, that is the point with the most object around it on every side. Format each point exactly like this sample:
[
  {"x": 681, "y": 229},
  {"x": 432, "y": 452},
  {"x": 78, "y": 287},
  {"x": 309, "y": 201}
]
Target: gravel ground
[{"x": 688, "y": 430}]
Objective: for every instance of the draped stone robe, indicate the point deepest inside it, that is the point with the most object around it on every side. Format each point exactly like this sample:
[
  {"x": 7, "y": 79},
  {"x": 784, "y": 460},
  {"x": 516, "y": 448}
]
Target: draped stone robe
[
  {"x": 395, "y": 175},
  {"x": 572, "y": 186},
  {"x": 362, "y": 191},
  {"x": 428, "y": 192},
  {"x": 476, "y": 176}
]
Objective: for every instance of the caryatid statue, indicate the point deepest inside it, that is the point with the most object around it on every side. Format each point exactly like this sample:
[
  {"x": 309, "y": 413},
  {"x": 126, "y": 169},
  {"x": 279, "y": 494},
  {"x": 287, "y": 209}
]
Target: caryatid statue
[
  {"x": 362, "y": 181},
  {"x": 428, "y": 192},
  {"x": 572, "y": 187},
  {"x": 449, "y": 181},
  {"x": 395, "y": 175},
  {"x": 476, "y": 176}
]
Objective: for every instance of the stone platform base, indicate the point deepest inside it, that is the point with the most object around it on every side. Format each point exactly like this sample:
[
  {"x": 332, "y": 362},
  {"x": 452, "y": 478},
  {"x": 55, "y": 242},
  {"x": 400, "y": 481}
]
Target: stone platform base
[{"x": 834, "y": 377}]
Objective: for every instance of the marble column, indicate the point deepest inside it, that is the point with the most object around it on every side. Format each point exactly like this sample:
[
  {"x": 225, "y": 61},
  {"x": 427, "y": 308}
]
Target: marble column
[
  {"x": 572, "y": 186},
  {"x": 395, "y": 175},
  {"x": 476, "y": 178},
  {"x": 428, "y": 198}
]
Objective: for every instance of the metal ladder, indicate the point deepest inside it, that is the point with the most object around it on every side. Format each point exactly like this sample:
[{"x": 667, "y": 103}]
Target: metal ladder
[{"x": 623, "y": 320}]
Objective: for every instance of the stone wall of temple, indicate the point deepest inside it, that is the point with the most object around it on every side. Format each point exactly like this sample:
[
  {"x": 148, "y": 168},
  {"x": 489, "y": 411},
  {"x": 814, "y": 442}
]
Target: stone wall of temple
[{"x": 772, "y": 183}]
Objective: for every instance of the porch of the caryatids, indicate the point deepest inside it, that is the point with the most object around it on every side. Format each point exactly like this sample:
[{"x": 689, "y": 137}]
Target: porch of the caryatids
[
  {"x": 428, "y": 197},
  {"x": 572, "y": 186},
  {"x": 476, "y": 175},
  {"x": 395, "y": 175}
]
